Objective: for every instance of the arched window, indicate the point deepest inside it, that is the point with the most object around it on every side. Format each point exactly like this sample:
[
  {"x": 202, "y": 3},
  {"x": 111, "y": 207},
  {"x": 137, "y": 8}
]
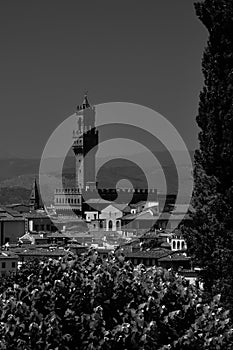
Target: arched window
[
  {"x": 174, "y": 244},
  {"x": 182, "y": 244},
  {"x": 118, "y": 224},
  {"x": 110, "y": 225},
  {"x": 178, "y": 245}
]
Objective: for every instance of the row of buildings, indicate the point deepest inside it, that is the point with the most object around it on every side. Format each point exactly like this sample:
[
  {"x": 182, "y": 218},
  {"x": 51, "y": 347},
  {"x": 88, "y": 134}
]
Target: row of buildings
[
  {"x": 165, "y": 249},
  {"x": 126, "y": 221},
  {"x": 145, "y": 230}
]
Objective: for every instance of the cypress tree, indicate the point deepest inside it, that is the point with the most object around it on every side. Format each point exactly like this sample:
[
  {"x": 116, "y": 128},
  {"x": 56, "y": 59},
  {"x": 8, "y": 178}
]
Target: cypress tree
[{"x": 210, "y": 241}]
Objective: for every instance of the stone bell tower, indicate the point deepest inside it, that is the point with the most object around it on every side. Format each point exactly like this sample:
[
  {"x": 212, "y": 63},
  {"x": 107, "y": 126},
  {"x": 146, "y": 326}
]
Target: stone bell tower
[
  {"x": 35, "y": 199},
  {"x": 85, "y": 139}
]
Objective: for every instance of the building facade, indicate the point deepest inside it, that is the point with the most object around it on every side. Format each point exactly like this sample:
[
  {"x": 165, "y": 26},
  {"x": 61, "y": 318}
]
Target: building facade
[
  {"x": 12, "y": 226},
  {"x": 8, "y": 262},
  {"x": 68, "y": 201}
]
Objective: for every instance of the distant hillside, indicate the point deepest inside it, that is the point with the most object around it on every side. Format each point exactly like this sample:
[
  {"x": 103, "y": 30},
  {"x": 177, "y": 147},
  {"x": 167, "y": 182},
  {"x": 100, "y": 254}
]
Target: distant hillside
[
  {"x": 12, "y": 195},
  {"x": 24, "y": 182},
  {"x": 17, "y": 176},
  {"x": 15, "y": 167},
  {"x": 5, "y": 154},
  {"x": 10, "y": 168}
]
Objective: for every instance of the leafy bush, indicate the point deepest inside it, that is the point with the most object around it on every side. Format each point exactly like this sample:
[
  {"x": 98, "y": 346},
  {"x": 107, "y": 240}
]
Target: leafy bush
[{"x": 86, "y": 303}]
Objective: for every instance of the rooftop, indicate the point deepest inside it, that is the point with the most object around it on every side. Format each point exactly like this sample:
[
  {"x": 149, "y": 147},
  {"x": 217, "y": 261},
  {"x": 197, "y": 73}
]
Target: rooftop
[
  {"x": 7, "y": 255},
  {"x": 182, "y": 208},
  {"x": 148, "y": 214},
  {"x": 175, "y": 257},
  {"x": 97, "y": 201},
  {"x": 42, "y": 252},
  {"x": 156, "y": 253},
  {"x": 58, "y": 235},
  {"x": 8, "y": 214},
  {"x": 36, "y": 214}
]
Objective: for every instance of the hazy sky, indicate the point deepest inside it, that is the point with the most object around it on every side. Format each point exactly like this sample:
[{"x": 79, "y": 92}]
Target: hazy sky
[{"x": 145, "y": 52}]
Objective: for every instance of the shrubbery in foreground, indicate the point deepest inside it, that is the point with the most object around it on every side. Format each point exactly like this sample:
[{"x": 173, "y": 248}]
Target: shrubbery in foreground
[{"x": 86, "y": 303}]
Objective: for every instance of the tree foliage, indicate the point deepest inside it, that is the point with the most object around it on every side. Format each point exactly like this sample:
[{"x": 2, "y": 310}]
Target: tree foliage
[
  {"x": 211, "y": 240},
  {"x": 86, "y": 303}
]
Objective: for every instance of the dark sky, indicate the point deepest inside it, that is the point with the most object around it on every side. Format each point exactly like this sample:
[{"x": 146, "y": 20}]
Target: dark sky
[{"x": 145, "y": 52}]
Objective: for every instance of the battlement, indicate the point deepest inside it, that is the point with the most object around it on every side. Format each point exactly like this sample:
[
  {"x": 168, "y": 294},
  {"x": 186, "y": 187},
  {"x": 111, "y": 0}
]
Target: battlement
[
  {"x": 91, "y": 131},
  {"x": 112, "y": 193},
  {"x": 121, "y": 195},
  {"x": 105, "y": 190},
  {"x": 68, "y": 191},
  {"x": 84, "y": 107},
  {"x": 121, "y": 190}
]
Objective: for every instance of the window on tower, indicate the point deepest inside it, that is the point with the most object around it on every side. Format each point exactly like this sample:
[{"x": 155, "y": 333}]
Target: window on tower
[{"x": 80, "y": 124}]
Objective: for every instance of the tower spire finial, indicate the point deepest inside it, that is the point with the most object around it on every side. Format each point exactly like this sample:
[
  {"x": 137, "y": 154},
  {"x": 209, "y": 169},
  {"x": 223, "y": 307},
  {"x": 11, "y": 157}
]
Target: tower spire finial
[{"x": 85, "y": 103}]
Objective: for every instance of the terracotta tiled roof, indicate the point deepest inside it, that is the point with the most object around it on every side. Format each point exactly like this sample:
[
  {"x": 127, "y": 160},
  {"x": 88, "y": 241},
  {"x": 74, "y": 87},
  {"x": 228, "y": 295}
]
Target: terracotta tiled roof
[
  {"x": 7, "y": 255},
  {"x": 182, "y": 208},
  {"x": 155, "y": 253},
  {"x": 58, "y": 235},
  {"x": 7, "y": 214},
  {"x": 36, "y": 215},
  {"x": 175, "y": 257},
  {"x": 145, "y": 215},
  {"x": 43, "y": 252},
  {"x": 97, "y": 201}
]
